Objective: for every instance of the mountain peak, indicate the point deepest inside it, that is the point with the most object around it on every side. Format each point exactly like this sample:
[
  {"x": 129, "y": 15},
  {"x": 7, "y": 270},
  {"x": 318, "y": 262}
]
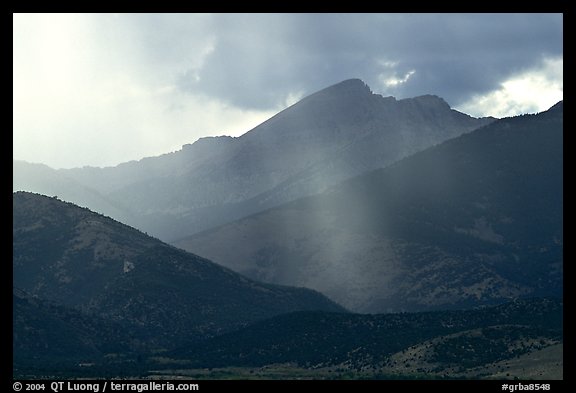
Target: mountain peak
[
  {"x": 349, "y": 87},
  {"x": 353, "y": 84}
]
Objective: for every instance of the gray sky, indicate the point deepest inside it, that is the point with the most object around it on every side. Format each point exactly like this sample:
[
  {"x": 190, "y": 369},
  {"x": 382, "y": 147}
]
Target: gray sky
[{"x": 101, "y": 89}]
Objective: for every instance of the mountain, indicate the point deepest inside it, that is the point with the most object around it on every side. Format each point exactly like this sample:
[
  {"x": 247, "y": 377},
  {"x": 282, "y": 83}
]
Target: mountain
[
  {"x": 42, "y": 179},
  {"x": 475, "y": 220},
  {"x": 325, "y": 138},
  {"x": 455, "y": 343},
  {"x": 75, "y": 270}
]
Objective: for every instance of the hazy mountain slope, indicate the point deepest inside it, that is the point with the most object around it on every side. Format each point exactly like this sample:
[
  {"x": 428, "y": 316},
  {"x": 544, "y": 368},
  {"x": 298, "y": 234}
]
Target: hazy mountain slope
[
  {"x": 475, "y": 220},
  {"x": 39, "y": 178},
  {"x": 325, "y": 138},
  {"x": 73, "y": 257},
  {"x": 386, "y": 130},
  {"x": 431, "y": 343}
]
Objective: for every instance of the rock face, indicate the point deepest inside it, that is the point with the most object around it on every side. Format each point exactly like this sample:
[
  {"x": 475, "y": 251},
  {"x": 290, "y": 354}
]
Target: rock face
[
  {"x": 327, "y": 137},
  {"x": 475, "y": 220},
  {"x": 94, "y": 266}
]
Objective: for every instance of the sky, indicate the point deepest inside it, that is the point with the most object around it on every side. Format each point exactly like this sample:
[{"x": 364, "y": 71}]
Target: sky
[{"x": 102, "y": 89}]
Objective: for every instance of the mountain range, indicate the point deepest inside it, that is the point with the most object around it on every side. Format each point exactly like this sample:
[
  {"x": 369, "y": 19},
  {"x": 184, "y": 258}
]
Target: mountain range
[
  {"x": 477, "y": 219},
  {"x": 101, "y": 299},
  {"x": 349, "y": 236},
  {"x": 327, "y": 137}
]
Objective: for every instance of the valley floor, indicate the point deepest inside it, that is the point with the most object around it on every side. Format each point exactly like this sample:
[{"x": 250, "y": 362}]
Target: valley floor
[{"x": 544, "y": 364}]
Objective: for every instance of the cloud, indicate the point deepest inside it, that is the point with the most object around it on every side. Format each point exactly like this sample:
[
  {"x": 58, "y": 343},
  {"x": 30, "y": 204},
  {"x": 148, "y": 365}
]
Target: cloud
[
  {"x": 530, "y": 91},
  {"x": 260, "y": 59},
  {"x": 100, "y": 89},
  {"x": 389, "y": 76}
]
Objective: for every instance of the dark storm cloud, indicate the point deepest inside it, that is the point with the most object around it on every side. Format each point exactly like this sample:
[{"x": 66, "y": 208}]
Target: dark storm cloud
[{"x": 259, "y": 59}]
